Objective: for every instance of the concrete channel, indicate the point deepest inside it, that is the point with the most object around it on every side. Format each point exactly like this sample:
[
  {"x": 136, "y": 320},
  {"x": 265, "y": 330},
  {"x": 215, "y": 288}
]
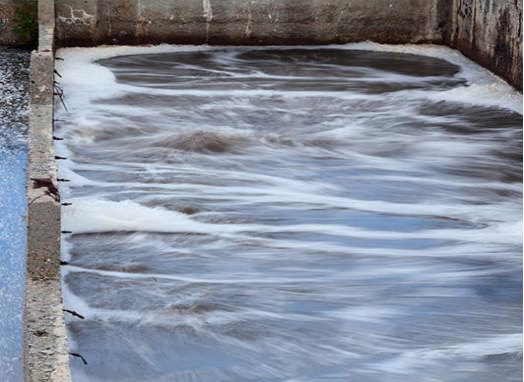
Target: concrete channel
[{"x": 488, "y": 31}]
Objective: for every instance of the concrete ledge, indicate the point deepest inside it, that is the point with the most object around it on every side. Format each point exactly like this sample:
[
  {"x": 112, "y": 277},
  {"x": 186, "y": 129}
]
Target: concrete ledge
[
  {"x": 45, "y": 342},
  {"x": 48, "y": 360}
]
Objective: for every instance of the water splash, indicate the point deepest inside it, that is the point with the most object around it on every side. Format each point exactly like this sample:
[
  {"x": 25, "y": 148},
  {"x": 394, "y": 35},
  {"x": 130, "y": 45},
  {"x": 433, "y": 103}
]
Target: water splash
[{"x": 290, "y": 213}]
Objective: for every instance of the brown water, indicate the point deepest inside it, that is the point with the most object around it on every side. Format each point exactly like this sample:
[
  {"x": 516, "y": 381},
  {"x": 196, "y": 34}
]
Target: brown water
[{"x": 289, "y": 214}]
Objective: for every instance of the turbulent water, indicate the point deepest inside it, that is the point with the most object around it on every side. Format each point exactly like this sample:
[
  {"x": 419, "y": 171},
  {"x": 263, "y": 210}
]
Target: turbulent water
[
  {"x": 14, "y": 95},
  {"x": 290, "y": 214}
]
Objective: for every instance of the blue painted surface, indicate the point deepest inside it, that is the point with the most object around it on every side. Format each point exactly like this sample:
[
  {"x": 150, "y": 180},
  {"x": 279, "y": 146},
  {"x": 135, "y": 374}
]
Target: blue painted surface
[
  {"x": 14, "y": 94},
  {"x": 12, "y": 265}
]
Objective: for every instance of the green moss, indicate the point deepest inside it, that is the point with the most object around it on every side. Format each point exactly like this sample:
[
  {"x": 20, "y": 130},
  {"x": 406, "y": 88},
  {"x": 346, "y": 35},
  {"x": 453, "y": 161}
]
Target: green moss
[{"x": 26, "y": 19}]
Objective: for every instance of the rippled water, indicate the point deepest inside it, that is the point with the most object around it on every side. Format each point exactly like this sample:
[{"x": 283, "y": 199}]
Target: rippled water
[
  {"x": 291, "y": 214},
  {"x": 14, "y": 95}
]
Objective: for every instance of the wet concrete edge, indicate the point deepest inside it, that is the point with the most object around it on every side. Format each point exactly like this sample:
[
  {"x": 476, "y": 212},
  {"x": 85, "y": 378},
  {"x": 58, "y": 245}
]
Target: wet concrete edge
[{"x": 46, "y": 355}]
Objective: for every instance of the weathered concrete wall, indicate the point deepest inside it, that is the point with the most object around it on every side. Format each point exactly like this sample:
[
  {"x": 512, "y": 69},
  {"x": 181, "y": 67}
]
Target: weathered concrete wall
[
  {"x": 94, "y": 22},
  {"x": 46, "y": 355},
  {"x": 7, "y": 22},
  {"x": 490, "y": 32}
]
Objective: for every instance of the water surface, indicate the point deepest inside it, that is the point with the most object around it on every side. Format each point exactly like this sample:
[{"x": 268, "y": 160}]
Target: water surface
[{"x": 290, "y": 214}]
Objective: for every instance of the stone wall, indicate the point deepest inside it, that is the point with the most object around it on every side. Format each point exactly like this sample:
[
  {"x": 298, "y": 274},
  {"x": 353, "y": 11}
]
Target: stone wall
[
  {"x": 490, "y": 32},
  {"x": 7, "y": 22}
]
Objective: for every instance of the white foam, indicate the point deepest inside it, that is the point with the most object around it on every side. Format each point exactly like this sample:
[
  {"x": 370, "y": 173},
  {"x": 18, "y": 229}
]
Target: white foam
[
  {"x": 247, "y": 253},
  {"x": 82, "y": 76},
  {"x": 88, "y": 216},
  {"x": 484, "y": 87},
  {"x": 494, "y": 345}
]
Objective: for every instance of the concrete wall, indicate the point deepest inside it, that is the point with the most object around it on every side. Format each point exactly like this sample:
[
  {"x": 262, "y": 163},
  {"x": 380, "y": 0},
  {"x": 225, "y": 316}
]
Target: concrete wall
[
  {"x": 93, "y": 22},
  {"x": 7, "y": 23},
  {"x": 490, "y": 32},
  {"x": 46, "y": 357}
]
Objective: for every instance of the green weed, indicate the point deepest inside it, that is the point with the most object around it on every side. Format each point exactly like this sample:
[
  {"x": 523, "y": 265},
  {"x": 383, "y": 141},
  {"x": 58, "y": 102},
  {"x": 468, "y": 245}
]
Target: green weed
[{"x": 26, "y": 19}]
